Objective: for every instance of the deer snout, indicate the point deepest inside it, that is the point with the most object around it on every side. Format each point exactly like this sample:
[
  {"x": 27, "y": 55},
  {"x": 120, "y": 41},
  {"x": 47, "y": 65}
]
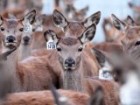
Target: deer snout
[
  {"x": 10, "y": 39},
  {"x": 69, "y": 62},
  {"x": 26, "y": 39}
]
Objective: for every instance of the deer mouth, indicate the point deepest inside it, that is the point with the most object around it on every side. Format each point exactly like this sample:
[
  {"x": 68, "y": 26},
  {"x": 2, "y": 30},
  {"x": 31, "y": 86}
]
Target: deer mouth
[
  {"x": 11, "y": 44},
  {"x": 70, "y": 68}
]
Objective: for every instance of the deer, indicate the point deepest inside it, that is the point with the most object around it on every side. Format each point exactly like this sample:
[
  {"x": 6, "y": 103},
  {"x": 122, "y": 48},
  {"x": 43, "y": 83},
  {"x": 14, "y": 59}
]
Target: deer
[
  {"x": 130, "y": 37},
  {"x": 31, "y": 74},
  {"x": 72, "y": 73},
  {"x": 111, "y": 33},
  {"x": 73, "y": 31},
  {"x": 116, "y": 44},
  {"x": 124, "y": 70},
  {"x": 59, "y": 97}
]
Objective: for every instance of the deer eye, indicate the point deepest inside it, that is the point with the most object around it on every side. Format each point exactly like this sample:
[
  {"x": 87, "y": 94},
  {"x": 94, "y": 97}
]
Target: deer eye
[
  {"x": 21, "y": 29},
  {"x": 59, "y": 49},
  {"x": 80, "y": 49},
  {"x": 2, "y": 29}
]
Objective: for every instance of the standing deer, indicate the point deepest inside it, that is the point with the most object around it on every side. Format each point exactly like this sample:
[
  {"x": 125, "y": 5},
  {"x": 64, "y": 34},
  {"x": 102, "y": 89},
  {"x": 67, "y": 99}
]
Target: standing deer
[
  {"x": 31, "y": 74},
  {"x": 73, "y": 74}
]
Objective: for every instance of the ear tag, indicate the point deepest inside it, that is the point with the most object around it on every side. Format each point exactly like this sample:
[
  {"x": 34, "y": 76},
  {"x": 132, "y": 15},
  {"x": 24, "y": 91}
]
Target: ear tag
[
  {"x": 28, "y": 27},
  {"x": 51, "y": 45},
  {"x": 105, "y": 74}
]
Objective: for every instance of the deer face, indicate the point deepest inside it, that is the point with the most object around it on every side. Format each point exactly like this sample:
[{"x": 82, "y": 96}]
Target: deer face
[
  {"x": 12, "y": 30},
  {"x": 70, "y": 46},
  {"x": 28, "y": 21},
  {"x": 131, "y": 36}
]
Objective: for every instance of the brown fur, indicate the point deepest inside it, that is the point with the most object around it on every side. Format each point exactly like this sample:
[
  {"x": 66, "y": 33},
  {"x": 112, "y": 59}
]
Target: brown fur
[{"x": 45, "y": 98}]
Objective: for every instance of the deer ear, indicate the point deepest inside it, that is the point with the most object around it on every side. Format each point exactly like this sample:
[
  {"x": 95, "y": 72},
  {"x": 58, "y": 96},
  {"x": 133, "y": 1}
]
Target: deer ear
[
  {"x": 98, "y": 97},
  {"x": 118, "y": 23},
  {"x": 1, "y": 20},
  {"x": 88, "y": 34},
  {"x": 59, "y": 19},
  {"x": 50, "y": 35},
  {"x": 100, "y": 57},
  {"x": 30, "y": 17},
  {"x": 130, "y": 21},
  {"x": 93, "y": 19}
]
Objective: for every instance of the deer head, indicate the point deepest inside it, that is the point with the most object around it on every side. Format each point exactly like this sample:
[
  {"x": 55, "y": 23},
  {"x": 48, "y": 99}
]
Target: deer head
[
  {"x": 12, "y": 29},
  {"x": 130, "y": 37},
  {"x": 28, "y": 23},
  {"x": 70, "y": 46}
]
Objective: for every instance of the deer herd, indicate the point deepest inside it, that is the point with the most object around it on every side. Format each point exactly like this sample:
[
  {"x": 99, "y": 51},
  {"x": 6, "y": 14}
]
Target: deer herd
[{"x": 51, "y": 60}]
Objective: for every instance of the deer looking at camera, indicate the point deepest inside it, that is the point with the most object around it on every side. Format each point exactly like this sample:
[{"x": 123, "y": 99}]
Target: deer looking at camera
[
  {"x": 33, "y": 74},
  {"x": 73, "y": 73},
  {"x": 76, "y": 34}
]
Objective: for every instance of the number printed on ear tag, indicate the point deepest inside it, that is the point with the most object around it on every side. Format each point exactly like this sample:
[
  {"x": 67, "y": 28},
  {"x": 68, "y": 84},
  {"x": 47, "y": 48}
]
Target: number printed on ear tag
[{"x": 51, "y": 45}]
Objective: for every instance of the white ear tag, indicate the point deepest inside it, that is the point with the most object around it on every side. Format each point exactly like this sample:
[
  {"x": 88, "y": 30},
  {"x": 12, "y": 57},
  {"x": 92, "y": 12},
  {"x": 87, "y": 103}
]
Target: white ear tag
[
  {"x": 104, "y": 74},
  {"x": 51, "y": 45},
  {"x": 28, "y": 27}
]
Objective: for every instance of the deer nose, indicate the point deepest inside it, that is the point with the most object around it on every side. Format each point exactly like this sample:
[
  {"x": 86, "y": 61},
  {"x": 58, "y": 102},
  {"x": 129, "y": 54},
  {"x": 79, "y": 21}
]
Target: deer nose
[
  {"x": 69, "y": 62},
  {"x": 11, "y": 39},
  {"x": 26, "y": 39}
]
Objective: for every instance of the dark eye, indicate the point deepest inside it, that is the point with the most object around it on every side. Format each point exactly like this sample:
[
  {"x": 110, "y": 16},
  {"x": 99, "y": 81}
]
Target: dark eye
[
  {"x": 58, "y": 49},
  {"x": 137, "y": 43},
  {"x": 21, "y": 29},
  {"x": 2, "y": 29},
  {"x": 80, "y": 49}
]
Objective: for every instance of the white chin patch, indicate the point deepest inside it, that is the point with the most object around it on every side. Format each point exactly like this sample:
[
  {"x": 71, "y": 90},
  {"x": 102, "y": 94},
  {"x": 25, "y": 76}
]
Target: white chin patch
[
  {"x": 10, "y": 44},
  {"x": 130, "y": 92},
  {"x": 51, "y": 45},
  {"x": 105, "y": 74}
]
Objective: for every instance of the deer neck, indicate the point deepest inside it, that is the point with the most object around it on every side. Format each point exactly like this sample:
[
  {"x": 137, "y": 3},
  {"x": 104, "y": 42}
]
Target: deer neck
[
  {"x": 9, "y": 72},
  {"x": 24, "y": 51},
  {"x": 73, "y": 80}
]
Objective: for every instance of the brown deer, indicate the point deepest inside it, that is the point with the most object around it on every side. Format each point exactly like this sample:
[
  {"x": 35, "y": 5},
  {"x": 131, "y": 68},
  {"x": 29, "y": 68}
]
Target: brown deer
[
  {"x": 111, "y": 33},
  {"x": 74, "y": 69},
  {"x": 125, "y": 71},
  {"x": 59, "y": 97},
  {"x": 31, "y": 74},
  {"x": 130, "y": 37},
  {"x": 74, "y": 38}
]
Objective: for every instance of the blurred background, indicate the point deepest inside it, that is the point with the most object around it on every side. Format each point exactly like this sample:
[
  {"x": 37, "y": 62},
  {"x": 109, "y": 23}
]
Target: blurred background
[
  {"x": 121, "y": 8},
  {"x": 118, "y": 7}
]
